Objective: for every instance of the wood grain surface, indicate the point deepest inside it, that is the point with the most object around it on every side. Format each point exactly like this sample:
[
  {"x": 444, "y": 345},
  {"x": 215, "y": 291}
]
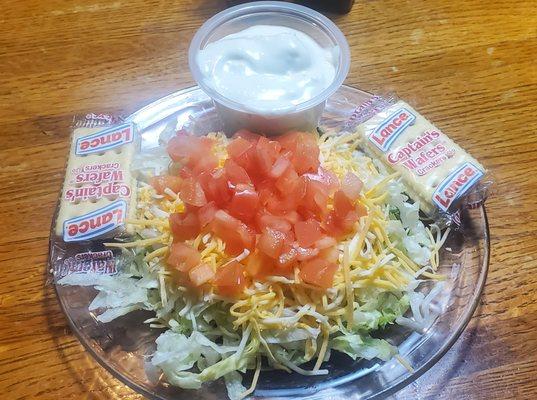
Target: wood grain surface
[{"x": 469, "y": 65}]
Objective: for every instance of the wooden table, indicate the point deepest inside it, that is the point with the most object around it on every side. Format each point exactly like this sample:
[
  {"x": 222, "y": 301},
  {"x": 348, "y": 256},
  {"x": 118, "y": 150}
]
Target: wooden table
[{"x": 468, "y": 65}]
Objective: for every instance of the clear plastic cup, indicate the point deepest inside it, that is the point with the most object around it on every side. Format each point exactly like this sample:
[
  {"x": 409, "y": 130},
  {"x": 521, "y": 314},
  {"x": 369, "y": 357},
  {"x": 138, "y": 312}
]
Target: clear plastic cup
[{"x": 303, "y": 116}]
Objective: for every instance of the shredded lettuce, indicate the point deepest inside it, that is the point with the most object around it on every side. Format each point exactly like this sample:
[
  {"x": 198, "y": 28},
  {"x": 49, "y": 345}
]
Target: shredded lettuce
[
  {"x": 379, "y": 311},
  {"x": 359, "y": 346},
  {"x": 234, "y": 385},
  {"x": 119, "y": 294}
]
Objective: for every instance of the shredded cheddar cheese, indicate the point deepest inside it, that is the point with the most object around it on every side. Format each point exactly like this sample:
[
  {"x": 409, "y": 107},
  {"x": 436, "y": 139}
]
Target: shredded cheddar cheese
[{"x": 367, "y": 259}]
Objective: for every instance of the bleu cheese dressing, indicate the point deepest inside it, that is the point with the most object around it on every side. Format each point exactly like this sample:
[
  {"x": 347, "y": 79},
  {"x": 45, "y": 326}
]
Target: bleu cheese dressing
[{"x": 267, "y": 69}]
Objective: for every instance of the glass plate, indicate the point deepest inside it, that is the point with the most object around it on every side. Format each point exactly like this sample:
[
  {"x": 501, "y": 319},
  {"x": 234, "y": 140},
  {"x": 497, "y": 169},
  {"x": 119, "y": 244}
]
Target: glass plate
[{"x": 123, "y": 345}]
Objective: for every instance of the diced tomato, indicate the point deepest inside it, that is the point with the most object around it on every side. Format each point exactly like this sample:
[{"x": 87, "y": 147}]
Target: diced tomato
[
  {"x": 244, "y": 202},
  {"x": 201, "y": 274},
  {"x": 330, "y": 254},
  {"x": 235, "y": 174},
  {"x": 230, "y": 280},
  {"x": 184, "y": 226},
  {"x": 162, "y": 182},
  {"x": 278, "y": 223},
  {"x": 307, "y": 232},
  {"x": 259, "y": 264},
  {"x": 215, "y": 186},
  {"x": 279, "y": 167},
  {"x": 206, "y": 213},
  {"x": 361, "y": 209},
  {"x": 326, "y": 177},
  {"x": 236, "y": 235},
  {"x": 207, "y": 163},
  {"x": 246, "y": 134},
  {"x": 287, "y": 259},
  {"x": 306, "y": 154},
  {"x": 348, "y": 221},
  {"x": 351, "y": 186},
  {"x": 288, "y": 140},
  {"x": 303, "y": 254},
  {"x": 265, "y": 194},
  {"x": 237, "y": 241},
  {"x": 292, "y": 216},
  {"x": 288, "y": 200},
  {"x": 271, "y": 196},
  {"x": 318, "y": 272},
  {"x": 299, "y": 192},
  {"x": 316, "y": 197},
  {"x": 222, "y": 220},
  {"x": 189, "y": 149},
  {"x": 244, "y": 155},
  {"x": 288, "y": 181},
  {"x": 336, "y": 226},
  {"x": 331, "y": 225},
  {"x": 237, "y": 147},
  {"x": 325, "y": 242},
  {"x": 342, "y": 204},
  {"x": 266, "y": 154},
  {"x": 183, "y": 257},
  {"x": 248, "y": 161},
  {"x": 192, "y": 192},
  {"x": 305, "y": 213},
  {"x": 271, "y": 242}
]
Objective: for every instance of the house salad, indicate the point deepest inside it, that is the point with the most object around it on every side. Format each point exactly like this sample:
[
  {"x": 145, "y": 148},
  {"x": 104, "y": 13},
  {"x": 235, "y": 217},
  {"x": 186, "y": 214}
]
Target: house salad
[{"x": 259, "y": 252}]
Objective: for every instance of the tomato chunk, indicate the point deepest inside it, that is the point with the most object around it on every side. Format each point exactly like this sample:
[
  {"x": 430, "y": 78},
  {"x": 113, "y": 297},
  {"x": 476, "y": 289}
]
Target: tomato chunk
[
  {"x": 342, "y": 204},
  {"x": 162, "y": 182},
  {"x": 215, "y": 186},
  {"x": 206, "y": 213},
  {"x": 244, "y": 202},
  {"x": 236, "y": 235},
  {"x": 259, "y": 264},
  {"x": 316, "y": 197},
  {"x": 207, "y": 163},
  {"x": 288, "y": 140},
  {"x": 237, "y": 147},
  {"x": 266, "y": 153},
  {"x": 230, "y": 280},
  {"x": 330, "y": 254},
  {"x": 189, "y": 149},
  {"x": 306, "y": 153},
  {"x": 308, "y": 232},
  {"x": 246, "y": 134},
  {"x": 347, "y": 222},
  {"x": 183, "y": 257},
  {"x": 287, "y": 259},
  {"x": 325, "y": 242},
  {"x": 271, "y": 242},
  {"x": 329, "y": 180},
  {"x": 278, "y": 223},
  {"x": 361, "y": 209},
  {"x": 201, "y": 274},
  {"x": 351, "y": 186},
  {"x": 303, "y": 254},
  {"x": 318, "y": 272},
  {"x": 279, "y": 167},
  {"x": 192, "y": 193},
  {"x": 235, "y": 174},
  {"x": 184, "y": 226}
]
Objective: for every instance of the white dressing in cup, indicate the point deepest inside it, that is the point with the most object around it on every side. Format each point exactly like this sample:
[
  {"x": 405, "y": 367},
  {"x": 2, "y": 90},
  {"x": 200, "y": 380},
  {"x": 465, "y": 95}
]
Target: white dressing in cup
[
  {"x": 270, "y": 69},
  {"x": 269, "y": 66}
]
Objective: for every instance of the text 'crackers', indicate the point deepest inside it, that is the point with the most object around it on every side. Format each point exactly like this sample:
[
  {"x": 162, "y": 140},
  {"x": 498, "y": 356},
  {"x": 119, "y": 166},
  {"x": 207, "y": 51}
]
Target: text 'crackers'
[
  {"x": 99, "y": 192},
  {"x": 436, "y": 170}
]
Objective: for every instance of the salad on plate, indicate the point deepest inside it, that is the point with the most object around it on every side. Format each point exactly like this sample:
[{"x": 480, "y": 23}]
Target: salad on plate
[{"x": 259, "y": 253}]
